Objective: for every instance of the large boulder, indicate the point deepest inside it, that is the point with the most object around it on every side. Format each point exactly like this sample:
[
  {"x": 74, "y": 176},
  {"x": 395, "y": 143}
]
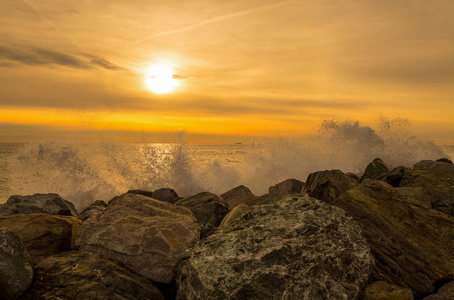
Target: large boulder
[
  {"x": 43, "y": 234},
  {"x": 16, "y": 272},
  {"x": 36, "y": 204},
  {"x": 413, "y": 245},
  {"x": 237, "y": 196},
  {"x": 375, "y": 169},
  {"x": 207, "y": 208},
  {"x": 437, "y": 179},
  {"x": 288, "y": 186},
  {"x": 146, "y": 235},
  {"x": 299, "y": 247},
  {"x": 86, "y": 275},
  {"x": 166, "y": 195},
  {"x": 328, "y": 185}
]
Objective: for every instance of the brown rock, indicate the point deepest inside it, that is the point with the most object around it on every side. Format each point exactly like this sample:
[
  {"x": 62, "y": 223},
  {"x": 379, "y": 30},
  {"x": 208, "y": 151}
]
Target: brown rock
[
  {"x": 146, "y": 235},
  {"x": 288, "y": 186},
  {"x": 413, "y": 245},
  {"x": 237, "y": 196},
  {"x": 43, "y": 234},
  {"x": 381, "y": 290},
  {"x": 446, "y": 292},
  {"x": 207, "y": 208}
]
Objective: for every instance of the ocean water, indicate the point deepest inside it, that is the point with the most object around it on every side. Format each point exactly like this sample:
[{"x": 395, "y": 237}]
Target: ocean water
[{"x": 83, "y": 173}]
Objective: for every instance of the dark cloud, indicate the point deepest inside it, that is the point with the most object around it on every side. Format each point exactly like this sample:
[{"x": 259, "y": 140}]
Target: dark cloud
[{"x": 41, "y": 57}]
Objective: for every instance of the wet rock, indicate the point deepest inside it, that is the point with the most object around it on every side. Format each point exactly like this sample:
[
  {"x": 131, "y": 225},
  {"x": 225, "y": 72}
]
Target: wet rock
[
  {"x": 288, "y": 186},
  {"x": 207, "y": 208},
  {"x": 375, "y": 169},
  {"x": 299, "y": 247},
  {"x": 353, "y": 176},
  {"x": 381, "y": 290},
  {"x": 328, "y": 185},
  {"x": 446, "y": 160},
  {"x": 43, "y": 234},
  {"x": 146, "y": 235},
  {"x": 16, "y": 272},
  {"x": 413, "y": 245},
  {"x": 38, "y": 203},
  {"x": 237, "y": 196},
  {"x": 446, "y": 292},
  {"x": 141, "y": 192},
  {"x": 86, "y": 275},
  {"x": 437, "y": 179},
  {"x": 234, "y": 214},
  {"x": 166, "y": 195}
]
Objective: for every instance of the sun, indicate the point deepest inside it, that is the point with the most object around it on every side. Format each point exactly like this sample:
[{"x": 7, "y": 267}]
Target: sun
[{"x": 160, "y": 79}]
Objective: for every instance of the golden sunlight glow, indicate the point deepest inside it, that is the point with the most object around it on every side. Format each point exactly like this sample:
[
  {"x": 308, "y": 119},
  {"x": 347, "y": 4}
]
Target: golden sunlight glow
[{"x": 159, "y": 79}]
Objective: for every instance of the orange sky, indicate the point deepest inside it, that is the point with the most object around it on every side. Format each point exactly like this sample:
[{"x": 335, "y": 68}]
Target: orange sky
[{"x": 245, "y": 68}]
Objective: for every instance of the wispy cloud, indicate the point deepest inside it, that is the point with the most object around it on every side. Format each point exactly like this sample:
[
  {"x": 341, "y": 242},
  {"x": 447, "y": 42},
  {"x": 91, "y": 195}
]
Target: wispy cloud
[
  {"x": 38, "y": 56},
  {"x": 213, "y": 20}
]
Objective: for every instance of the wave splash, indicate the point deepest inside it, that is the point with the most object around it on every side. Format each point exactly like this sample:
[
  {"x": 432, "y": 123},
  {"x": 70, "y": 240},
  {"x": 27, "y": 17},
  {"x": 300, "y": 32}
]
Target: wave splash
[{"x": 83, "y": 173}]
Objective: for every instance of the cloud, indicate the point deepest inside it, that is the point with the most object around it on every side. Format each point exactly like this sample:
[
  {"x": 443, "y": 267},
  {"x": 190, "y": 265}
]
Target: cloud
[{"x": 33, "y": 56}]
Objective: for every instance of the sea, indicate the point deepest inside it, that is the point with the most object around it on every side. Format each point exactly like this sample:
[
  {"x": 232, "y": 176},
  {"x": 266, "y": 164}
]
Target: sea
[{"x": 84, "y": 172}]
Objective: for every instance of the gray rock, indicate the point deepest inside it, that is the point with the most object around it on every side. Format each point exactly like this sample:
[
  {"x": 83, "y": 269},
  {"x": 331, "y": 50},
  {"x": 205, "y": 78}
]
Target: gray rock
[
  {"x": 86, "y": 275},
  {"x": 43, "y": 234},
  {"x": 146, "y": 235},
  {"x": 207, "y": 208},
  {"x": 141, "y": 192},
  {"x": 99, "y": 203},
  {"x": 299, "y": 248},
  {"x": 237, "y": 196},
  {"x": 234, "y": 214},
  {"x": 394, "y": 176},
  {"x": 166, "y": 195},
  {"x": 328, "y": 185},
  {"x": 375, "y": 169},
  {"x": 288, "y": 186},
  {"x": 38, "y": 203},
  {"x": 353, "y": 176},
  {"x": 413, "y": 245},
  {"x": 16, "y": 272}
]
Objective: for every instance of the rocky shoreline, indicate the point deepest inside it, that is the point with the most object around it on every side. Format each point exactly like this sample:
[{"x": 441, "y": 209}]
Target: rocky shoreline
[{"x": 388, "y": 234}]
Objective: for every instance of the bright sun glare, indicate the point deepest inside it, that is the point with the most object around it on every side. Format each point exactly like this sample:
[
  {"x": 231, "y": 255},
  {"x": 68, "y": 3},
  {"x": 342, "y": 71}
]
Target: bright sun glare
[{"x": 159, "y": 79}]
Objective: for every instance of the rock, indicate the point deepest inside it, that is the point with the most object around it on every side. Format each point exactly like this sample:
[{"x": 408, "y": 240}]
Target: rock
[
  {"x": 234, "y": 214},
  {"x": 100, "y": 203},
  {"x": 381, "y": 290},
  {"x": 146, "y": 235},
  {"x": 207, "y": 208},
  {"x": 141, "y": 192},
  {"x": 417, "y": 193},
  {"x": 446, "y": 292},
  {"x": 287, "y": 187},
  {"x": 298, "y": 248},
  {"x": 38, "y": 203},
  {"x": 394, "y": 176},
  {"x": 207, "y": 230},
  {"x": 90, "y": 211},
  {"x": 43, "y": 234},
  {"x": 446, "y": 160},
  {"x": 413, "y": 246},
  {"x": 86, "y": 275},
  {"x": 167, "y": 195},
  {"x": 237, "y": 196},
  {"x": 328, "y": 185},
  {"x": 353, "y": 176},
  {"x": 16, "y": 272},
  {"x": 375, "y": 169},
  {"x": 266, "y": 199},
  {"x": 437, "y": 179}
]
